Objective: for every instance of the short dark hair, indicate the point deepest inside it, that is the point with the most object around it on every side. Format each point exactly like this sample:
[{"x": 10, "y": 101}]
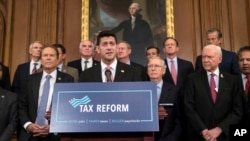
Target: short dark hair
[
  {"x": 105, "y": 33},
  {"x": 242, "y": 49},
  {"x": 50, "y": 46},
  {"x": 177, "y": 43},
  {"x": 61, "y": 47},
  {"x": 215, "y": 30},
  {"x": 150, "y": 47}
]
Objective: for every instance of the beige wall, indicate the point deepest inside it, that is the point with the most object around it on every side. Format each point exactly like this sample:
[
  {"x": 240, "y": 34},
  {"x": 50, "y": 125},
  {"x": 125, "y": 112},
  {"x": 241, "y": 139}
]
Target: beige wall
[{"x": 59, "y": 21}]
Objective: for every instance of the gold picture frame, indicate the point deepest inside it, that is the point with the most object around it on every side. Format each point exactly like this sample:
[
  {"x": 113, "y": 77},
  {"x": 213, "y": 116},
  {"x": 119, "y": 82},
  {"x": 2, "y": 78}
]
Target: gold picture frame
[{"x": 86, "y": 12}]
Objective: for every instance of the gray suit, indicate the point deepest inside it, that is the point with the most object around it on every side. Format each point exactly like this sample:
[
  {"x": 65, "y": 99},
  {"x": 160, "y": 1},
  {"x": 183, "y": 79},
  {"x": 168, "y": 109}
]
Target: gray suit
[{"x": 71, "y": 71}]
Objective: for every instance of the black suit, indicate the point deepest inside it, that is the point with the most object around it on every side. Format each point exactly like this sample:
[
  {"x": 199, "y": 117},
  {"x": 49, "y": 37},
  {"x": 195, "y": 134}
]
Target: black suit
[
  {"x": 20, "y": 78},
  {"x": 78, "y": 64},
  {"x": 29, "y": 101},
  {"x": 184, "y": 69},
  {"x": 142, "y": 70},
  {"x": 124, "y": 72},
  {"x": 139, "y": 38},
  {"x": 8, "y": 118},
  {"x": 228, "y": 64},
  {"x": 5, "y": 82},
  {"x": 172, "y": 127},
  {"x": 202, "y": 113}
]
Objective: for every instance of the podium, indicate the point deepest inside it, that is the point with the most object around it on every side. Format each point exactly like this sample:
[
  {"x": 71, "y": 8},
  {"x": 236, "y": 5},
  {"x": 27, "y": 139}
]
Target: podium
[{"x": 122, "y": 111}]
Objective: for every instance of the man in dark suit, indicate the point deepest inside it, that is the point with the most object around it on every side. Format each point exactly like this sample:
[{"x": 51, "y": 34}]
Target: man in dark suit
[
  {"x": 244, "y": 63},
  {"x": 177, "y": 69},
  {"x": 123, "y": 52},
  {"x": 106, "y": 47},
  {"x": 229, "y": 61},
  {"x": 5, "y": 81},
  {"x": 8, "y": 109},
  {"x": 24, "y": 70},
  {"x": 213, "y": 99},
  {"x": 167, "y": 93},
  {"x": 29, "y": 105},
  {"x": 86, "y": 49},
  {"x": 136, "y": 32}
]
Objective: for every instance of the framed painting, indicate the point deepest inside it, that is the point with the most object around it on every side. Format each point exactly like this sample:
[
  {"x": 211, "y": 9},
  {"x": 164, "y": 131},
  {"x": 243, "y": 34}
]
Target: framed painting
[{"x": 156, "y": 22}]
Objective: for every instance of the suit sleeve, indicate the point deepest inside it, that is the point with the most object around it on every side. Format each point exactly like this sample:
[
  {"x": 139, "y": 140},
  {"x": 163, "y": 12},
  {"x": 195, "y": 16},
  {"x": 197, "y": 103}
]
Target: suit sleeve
[
  {"x": 198, "y": 63},
  {"x": 12, "y": 118}
]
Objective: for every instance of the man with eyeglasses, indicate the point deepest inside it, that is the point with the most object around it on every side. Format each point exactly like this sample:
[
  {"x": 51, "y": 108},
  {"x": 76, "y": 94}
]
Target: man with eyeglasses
[{"x": 170, "y": 128}]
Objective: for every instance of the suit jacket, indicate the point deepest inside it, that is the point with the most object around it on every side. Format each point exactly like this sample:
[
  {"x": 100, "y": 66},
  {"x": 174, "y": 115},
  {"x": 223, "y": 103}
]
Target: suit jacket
[
  {"x": 28, "y": 103},
  {"x": 184, "y": 69},
  {"x": 228, "y": 64},
  {"x": 172, "y": 127},
  {"x": 77, "y": 64},
  {"x": 8, "y": 118},
  {"x": 202, "y": 113},
  {"x": 142, "y": 70},
  {"x": 124, "y": 72},
  {"x": 71, "y": 71},
  {"x": 5, "y": 82},
  {"x": 20, "y": 78}
]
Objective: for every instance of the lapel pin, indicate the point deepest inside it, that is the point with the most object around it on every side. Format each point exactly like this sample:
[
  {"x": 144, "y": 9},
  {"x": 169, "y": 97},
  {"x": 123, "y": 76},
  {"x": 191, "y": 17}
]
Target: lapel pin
[
  {"x": 59, "y": 78},
  {"x": 221, "y": 75},
  {"x": 122, "y": 71},
  {"x": 2, "y": 96}
]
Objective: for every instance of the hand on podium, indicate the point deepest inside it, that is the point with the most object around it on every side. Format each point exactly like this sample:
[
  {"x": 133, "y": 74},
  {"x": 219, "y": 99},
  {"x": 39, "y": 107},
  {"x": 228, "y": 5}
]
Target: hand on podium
[{"x": 162, "y": 112}]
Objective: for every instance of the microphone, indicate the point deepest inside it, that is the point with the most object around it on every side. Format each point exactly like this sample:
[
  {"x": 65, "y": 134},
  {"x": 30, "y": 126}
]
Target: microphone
[{"x": 108, "y": 75}]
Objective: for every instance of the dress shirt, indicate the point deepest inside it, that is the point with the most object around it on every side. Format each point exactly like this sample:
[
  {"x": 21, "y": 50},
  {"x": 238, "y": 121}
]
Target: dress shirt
[
  {"x": 32, "y": 65},
  {"x": 175, "y": 64},
  {"x": 244, "y": 80},
  {"x": 159, "y": 88},
  {"x": 89, "y": 64},
  {"x": 59, "y": 67},
  {"x": 216, "y": 78},
  {"x": 113, "y": 69}
]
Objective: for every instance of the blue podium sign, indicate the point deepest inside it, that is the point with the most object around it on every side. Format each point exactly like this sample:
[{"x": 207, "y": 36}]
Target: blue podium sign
[{"x": 104, "y": 107}]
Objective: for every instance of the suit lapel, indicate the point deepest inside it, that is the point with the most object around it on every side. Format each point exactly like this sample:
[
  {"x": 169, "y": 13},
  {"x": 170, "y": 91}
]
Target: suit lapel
[
  {"x": 165, "y": 93},
  {"x": 97, "y": 73},
  {"x": 36, "y": 81},
  {"x": 119, "y": 74},
  {"x": 204, "y": 80}
]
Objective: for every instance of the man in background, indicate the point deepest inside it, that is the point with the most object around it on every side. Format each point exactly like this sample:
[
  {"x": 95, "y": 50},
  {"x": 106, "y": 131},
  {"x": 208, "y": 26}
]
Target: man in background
[
  {"x": 24, "y": 70},
  {"x": 152, "y": 51},
  {"x": 86, "y": 49},
  {"x": 229, "y": 61},
  {"x": 63, "y": 68},
  {"x": 123, "y": 52}
]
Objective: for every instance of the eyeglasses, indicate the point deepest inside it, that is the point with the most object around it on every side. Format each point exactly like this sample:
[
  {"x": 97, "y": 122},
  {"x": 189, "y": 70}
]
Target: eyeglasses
[{"x": 154, "y": 66}]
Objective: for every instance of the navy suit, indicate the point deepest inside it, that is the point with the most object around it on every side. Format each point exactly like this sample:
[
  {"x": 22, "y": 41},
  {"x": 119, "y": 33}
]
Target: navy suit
[
  {"x": 5, "y": 82},
  {"x": 141, "y": 69},
  {"x": 8, "y": 118},
  {"x": 78, "y": 64},
  {"x": 228, "y": 64},
  {"x": 184, "y": 69},
  {"x": 29, "y": 101},
  {"x": 172, "y": 127},
  {"x": 20, "y": 78},
  {"x": 202, "y": 113},
  {"x": 124, "y": 72}
]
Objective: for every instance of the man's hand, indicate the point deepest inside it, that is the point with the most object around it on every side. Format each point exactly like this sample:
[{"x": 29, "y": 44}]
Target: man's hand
[{"x": 38, "y": 131}]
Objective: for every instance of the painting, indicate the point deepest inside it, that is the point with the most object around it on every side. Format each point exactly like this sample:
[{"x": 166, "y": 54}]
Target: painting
[{"x": 156, "y": 23}]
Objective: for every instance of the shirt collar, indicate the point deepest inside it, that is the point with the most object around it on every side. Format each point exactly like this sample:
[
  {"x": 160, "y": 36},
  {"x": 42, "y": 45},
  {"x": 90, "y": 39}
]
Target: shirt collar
[
  {"x": 53, "y": 74},
  {"x": 174, "y": 59},
  {"x": 112, "y": 65},
  {"x": 216, "y": 72},
  {"x": 159, "y": 85}
]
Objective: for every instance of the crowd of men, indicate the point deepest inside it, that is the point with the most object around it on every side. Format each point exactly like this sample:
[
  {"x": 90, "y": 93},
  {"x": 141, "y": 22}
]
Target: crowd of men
[{"x": 207, "y": 100}]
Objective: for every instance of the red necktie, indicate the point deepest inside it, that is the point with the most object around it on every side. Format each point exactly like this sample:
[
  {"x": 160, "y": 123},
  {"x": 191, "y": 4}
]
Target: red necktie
[
  {"x": 247, "y": 84},
  {"x": 108, "y": 73},
  {"x": 34, "y": 68},
  {"x": 212, "y": 87},
  {"x": 173, "y": 72}
]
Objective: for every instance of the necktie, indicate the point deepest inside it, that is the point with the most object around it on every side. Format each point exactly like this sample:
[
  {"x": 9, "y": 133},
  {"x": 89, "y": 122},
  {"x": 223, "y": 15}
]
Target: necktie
[
  {"x": 85, "y": 64},
  {"x": 247, "y": 87},
  {"x": 34, "y": 68},
  {"x": 173, "y": 72},
  {"x": 108, "y": 74},
  {"x": 212, "y": 87},
  {"x": 40, "y": 119}
]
